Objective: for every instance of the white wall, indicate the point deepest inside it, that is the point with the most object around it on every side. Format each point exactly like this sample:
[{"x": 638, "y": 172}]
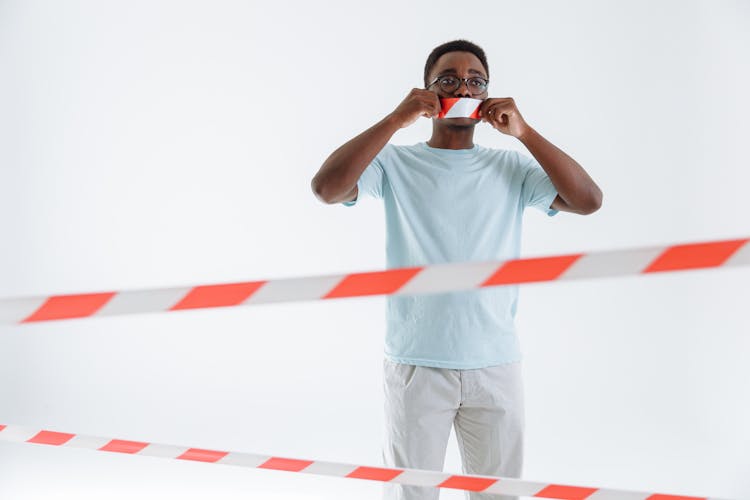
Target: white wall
[{"x": 149, "y": 144}]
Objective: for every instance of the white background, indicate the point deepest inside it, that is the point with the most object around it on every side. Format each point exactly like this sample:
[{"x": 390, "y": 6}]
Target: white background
[{"x": 149, "y": 144}]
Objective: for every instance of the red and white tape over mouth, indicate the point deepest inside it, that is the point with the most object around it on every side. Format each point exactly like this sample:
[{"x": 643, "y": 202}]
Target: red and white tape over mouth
[
  {"x": 412, "y": 477},
  {"x": 459, "y": 107},
  {"x": 437, "y": 278}
]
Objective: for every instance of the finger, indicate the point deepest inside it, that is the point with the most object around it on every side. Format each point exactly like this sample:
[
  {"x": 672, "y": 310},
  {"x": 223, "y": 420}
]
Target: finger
[
  {"x": 502, "y": 105},
  {"x": 497, "y": 118},
  {"x": 501, "y": 113},
  {"x": 429, "y": 111},
  {"x": 494, "y": 104},
  {"x": 432, "y": 104},
  {"x": 434, "y": 101},
  {"x": 424, "y": 93},
  {"x": 484, "y": 110},
  {"x": 486, "y": 105},
  {"x": 494, "y": 114}
]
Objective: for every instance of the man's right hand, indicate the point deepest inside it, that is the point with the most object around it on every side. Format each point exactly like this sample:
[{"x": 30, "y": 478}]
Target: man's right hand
[
  {"x": 336, "y": 181},
  {"x": 418, "y": 103}
]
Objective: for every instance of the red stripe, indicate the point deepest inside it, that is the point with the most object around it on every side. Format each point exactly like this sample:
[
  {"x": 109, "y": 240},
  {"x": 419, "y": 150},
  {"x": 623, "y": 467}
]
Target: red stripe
[
  {"x": 374, "y": 473},
  {"x": 203, "y": 455},
  {"x": 673, "y": 497},
  {"x": 217, "y": 295},
  {"x": 695, "y": 256},
  {"x": 530, "y": 270},
  {"x": 287, "y": 464},
  {"x": 49, "y": 437},
  {"x": 563, "y": 492},
  {"x": 375, "y": 283},
  {"x": 121, "y": 446},
  {"x": 467, "y": 483},
  {"x": 70, "y": 306},
  {"x": 445, "y": 105},
  {"x": 2, "y": 427}
]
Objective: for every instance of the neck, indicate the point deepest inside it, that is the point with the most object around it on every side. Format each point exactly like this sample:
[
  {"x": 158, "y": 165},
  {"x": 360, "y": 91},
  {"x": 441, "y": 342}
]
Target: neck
[{"x": 451, "y": 137}]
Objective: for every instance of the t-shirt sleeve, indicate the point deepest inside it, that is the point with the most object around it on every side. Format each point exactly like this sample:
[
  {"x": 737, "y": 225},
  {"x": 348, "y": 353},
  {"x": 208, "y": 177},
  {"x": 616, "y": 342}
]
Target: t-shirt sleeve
[
  {"x": 371, "y": 181},
  {"x": 537, "y": 189}
]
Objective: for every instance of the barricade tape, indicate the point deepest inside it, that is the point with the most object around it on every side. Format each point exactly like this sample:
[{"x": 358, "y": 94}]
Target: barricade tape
[
  {"x": 459, "y": 107},
  {"x": 402, "y": 281},
  {"x": 411, "y": 477}
]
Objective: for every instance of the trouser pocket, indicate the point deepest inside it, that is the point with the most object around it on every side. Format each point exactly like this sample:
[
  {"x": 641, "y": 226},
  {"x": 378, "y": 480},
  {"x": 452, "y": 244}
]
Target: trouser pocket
[{"x": 399, "y": 374}]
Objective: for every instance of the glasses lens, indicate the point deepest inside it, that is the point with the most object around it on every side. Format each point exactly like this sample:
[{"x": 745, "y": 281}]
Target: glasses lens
[
  {"x": 449, "y": 83},
  {"x": 476, "y": 85}
]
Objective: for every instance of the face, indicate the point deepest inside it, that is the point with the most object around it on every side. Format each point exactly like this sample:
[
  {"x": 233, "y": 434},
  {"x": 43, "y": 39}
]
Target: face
[{"x": 462, "y": 65}]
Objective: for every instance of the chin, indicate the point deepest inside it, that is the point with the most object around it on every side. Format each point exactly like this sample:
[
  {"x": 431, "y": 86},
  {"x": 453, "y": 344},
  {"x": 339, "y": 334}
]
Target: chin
[{"x": 460, "y": 122}]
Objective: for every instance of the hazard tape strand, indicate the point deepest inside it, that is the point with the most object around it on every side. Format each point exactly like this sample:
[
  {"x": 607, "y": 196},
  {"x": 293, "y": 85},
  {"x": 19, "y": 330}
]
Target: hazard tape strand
[
  {"x": 411, "y": 477},
  {"x": 448, "y": 277}
]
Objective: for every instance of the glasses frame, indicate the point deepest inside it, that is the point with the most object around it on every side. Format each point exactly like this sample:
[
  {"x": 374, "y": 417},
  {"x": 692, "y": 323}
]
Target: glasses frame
[{"x": 460, "y": 81}]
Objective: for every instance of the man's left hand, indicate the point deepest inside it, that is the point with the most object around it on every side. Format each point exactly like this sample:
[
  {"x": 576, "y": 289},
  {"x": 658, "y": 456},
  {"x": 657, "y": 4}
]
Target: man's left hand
[{"x": 503, "y": 115}]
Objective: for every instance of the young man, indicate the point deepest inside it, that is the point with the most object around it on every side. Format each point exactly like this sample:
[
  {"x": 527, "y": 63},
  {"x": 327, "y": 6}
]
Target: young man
[{"x": 452, "y": 359}]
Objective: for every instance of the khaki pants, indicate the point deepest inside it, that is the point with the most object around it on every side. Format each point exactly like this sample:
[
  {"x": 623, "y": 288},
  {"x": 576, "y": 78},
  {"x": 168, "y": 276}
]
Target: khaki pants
[{"x": 485, "y": 406}]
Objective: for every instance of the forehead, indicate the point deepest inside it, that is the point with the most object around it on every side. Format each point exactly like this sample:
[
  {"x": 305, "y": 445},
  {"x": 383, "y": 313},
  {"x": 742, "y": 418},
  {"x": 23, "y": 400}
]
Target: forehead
[{"x": 459, "y": 62}]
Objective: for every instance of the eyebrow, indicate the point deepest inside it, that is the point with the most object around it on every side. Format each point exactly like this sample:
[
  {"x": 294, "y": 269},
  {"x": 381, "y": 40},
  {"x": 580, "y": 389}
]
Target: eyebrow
[{"x": 453, "y": 70}]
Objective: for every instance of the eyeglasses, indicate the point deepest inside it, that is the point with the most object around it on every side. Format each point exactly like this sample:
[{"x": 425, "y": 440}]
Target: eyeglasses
[{"x": 450, "y": 83}]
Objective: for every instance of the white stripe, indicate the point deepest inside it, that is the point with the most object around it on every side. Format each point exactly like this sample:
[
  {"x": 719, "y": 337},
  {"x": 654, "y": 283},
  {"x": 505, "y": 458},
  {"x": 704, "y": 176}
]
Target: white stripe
[
  {"x": 16, "y": 434},
  {"x": 13, "y": 311},
  {"x": 163, "y": 450},
  {"x": 141, "y": 301},
  {"x": 448, "y": 277},
  {"x": 615, "y": 263},
  {"x": 463, "y": 108},
  {"x": 329, "y": 469},
  {"x": 606, "y": 494},
  {"x": 283, "y": 290},
  {"x": 244, "y": 459},
  {"x": 87, "y": 442},
  {"x": 515, "y": 487},
  {"x": 741, "y": 257},
  {"x": 414, "y": 477}
]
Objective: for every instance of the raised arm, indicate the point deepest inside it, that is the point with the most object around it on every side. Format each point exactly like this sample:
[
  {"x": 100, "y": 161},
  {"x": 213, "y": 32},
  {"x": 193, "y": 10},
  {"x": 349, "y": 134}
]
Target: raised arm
[
  {"x": 577, "y": 192},
  {"x": 336, "y": 181}
]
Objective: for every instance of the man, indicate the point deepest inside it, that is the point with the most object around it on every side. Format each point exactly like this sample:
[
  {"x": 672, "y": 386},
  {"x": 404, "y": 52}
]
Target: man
[{"x": 453, "y": 358}]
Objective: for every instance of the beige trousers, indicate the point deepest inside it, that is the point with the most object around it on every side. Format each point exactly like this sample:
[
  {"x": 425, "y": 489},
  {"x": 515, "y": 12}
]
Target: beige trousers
[{"x": 485, "y": 406}]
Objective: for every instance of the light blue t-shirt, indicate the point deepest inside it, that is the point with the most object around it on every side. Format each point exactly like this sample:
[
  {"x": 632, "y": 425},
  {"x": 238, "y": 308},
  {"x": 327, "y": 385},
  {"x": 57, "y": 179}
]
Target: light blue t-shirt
[{"x": 448, "y": 205}]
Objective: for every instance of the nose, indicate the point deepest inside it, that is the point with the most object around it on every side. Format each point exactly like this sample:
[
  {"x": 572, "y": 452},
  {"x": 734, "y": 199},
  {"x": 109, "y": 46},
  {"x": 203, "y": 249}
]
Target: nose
[{"x": 463, "y": 84}]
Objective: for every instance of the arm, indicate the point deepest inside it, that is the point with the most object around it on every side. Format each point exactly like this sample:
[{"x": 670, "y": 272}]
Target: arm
[
  {"x": 336, "y": 181},
  {"x": 576, "y": 191}
]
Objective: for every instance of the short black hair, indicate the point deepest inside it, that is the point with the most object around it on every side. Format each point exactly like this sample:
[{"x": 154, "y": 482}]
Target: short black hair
[{"x": 454, "y": 46}]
